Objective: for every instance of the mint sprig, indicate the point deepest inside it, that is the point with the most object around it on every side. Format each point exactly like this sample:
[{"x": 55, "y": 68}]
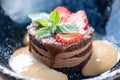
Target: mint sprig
[
  {"x": 53, "y": 21},
  {"x": 51, "y": 24}
]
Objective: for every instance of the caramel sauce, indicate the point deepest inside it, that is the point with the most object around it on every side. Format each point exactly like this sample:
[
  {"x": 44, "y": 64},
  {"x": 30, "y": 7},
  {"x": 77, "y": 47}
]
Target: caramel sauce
[
  {"x": 26, "y": 39},
  {"x": 24, "y": 63},
  {"x": 104, "y": 57}
]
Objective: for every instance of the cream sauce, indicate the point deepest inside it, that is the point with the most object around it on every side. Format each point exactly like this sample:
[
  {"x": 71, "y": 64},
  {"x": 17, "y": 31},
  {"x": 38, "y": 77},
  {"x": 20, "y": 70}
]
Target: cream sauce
[
  {"x": 104, "y": 57},
  {"x": 26, "y": 39},
  {"x": 24, "y": 63}
]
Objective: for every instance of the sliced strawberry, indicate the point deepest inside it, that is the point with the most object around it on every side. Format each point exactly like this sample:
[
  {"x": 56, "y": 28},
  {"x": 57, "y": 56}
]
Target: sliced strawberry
[
  {"x": 68, "y": 37},
  {"x": 79, "y": 18},
  {"x": 64, "y": 13}
]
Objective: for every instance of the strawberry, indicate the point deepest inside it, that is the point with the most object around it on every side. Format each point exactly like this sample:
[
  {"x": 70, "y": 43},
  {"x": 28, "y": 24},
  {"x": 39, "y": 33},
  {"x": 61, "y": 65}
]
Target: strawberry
[
  {"x": 68, "y": 37},
  {"x": 79, "y": 18},
  {"x": 64, "y": 13}
]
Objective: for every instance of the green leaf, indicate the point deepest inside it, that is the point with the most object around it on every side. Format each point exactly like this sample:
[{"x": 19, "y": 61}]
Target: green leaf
[
  {"x": 55, "y": 18},
  {"x": 67, "y": 28},
  {"x": 43, "y": 32},
  {"x": 54, "y": 29},
  {"x": 43, "y": 22},
  {"x": 35, "y": 16}
]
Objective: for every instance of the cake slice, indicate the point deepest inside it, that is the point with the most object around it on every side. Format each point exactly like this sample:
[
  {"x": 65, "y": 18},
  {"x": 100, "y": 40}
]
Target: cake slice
[{"x": 62, "y": 42}]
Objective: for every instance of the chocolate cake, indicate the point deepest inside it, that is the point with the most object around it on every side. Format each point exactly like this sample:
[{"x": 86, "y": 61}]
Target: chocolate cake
[{"x": 62, "y": 56}]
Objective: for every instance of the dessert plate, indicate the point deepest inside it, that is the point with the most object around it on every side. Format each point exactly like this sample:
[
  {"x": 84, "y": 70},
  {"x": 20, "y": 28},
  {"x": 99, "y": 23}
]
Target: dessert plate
[{"x": 11, "y": 39}]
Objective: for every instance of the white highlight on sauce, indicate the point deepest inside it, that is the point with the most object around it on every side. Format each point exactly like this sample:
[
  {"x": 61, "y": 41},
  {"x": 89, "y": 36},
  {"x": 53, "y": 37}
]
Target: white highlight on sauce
[{"x": 21, "y": 62}]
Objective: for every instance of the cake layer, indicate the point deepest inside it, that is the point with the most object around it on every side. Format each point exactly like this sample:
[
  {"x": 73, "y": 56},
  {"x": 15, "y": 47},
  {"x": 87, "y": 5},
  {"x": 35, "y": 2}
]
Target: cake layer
[
  {"x": 62, "y": 62},
  {"x": 71, "y": 62},
  {"x": 75, "y": 68}
]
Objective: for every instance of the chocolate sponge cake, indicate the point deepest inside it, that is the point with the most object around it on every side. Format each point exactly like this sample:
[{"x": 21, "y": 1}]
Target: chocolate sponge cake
[
  {"x": 63, "y": 50},
  {"x": 64, "y": 57}
]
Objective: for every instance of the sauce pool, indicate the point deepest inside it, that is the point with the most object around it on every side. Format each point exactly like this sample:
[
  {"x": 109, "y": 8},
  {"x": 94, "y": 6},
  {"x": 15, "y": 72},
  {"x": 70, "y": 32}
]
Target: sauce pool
[
  {"x": 104, "y": 57},
  {"x": 24, "y": 63}
]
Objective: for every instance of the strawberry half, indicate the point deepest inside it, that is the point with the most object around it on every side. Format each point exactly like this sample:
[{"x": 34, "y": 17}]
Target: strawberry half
[
  {"x": 64, "y": 13},
  {"x": 68, "y": 37},
  {"x": 79, "y": 18}
]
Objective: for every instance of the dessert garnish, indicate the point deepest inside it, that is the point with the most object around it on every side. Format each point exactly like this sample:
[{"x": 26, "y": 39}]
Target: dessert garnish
[{"x": 65, "y": 26}]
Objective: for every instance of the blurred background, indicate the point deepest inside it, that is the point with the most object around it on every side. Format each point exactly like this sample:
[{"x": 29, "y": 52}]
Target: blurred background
[
  {"x": 103, "y": 16},
  {"x": 97, "y": 11}
]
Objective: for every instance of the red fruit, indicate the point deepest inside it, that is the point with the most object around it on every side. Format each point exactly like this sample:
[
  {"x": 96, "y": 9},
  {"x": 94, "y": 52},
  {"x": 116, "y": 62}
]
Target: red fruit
[
  {"x": 79, "y": 18},
  {"x": 68, "y": 37},
  {"x": 64, "y": 13}
]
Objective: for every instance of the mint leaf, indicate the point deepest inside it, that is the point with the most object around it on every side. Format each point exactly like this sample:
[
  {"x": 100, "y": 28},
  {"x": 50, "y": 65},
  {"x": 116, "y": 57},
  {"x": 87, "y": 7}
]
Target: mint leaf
[
  {"x": 43, "y": 32},
  {"x": 43, "y": 22},
  {"x": 54, "y": 29},
  {"x": 67, "y": 28},
  {"x": 35, "y": 16},
  {"x": 55, "y": 18}
]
